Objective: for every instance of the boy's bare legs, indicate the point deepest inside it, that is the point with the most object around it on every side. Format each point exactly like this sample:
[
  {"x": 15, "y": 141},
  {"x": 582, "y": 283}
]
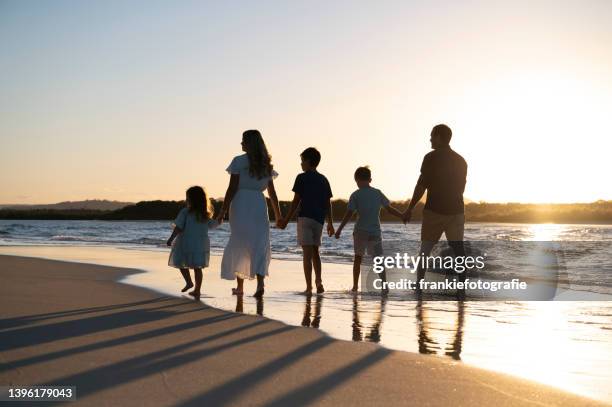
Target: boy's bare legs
[
  {"x": 239, "y": 286},
  {"x": 307, "y": 262},
  {"x": 187, "y": 277},
  {"x": 356, "y": 272},
  {"x": 198, "y": 283},
  {"x": 316, "y": 263}
]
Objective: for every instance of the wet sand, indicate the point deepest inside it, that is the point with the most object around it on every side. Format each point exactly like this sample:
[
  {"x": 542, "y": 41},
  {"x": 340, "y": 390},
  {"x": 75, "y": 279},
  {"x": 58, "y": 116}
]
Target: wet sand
[{"x": 73, "y": 324}]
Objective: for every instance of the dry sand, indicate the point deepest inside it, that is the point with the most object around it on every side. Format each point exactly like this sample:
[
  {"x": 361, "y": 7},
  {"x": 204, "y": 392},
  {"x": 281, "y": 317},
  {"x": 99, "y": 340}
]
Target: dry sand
[{"x": 73, "y": 324}]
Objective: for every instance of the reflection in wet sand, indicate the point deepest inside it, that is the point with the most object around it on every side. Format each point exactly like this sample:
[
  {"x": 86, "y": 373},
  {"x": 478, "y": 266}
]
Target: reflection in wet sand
[
  {"x": 429, "y": 346},
  {"x": 240, "y": 305},
  {"x": 372, "y": 328},
  {"x": 310, "y": 319}
]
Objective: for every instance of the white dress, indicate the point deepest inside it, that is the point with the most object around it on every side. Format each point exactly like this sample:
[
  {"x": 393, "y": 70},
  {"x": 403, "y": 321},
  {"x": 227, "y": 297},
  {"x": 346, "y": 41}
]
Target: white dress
[
  {"x": 191, "y": 248},
  {"x": 247, "y": 253}
]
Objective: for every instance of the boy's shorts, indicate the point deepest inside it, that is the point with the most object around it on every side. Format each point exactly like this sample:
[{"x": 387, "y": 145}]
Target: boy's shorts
[
  {"x": 367, "y": 242},
  {"x": 309, "y": 232}
]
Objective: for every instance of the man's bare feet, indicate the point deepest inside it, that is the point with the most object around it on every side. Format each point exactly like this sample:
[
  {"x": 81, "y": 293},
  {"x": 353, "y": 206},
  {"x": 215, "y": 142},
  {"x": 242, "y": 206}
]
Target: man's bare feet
[
  {"x": 354, "y": 289},
  {"x": 187, "y": 287},
  {"x": 195, "y": 294},
  {"x": 320, "y": 289},
  {"x": 259, "y": 293}
]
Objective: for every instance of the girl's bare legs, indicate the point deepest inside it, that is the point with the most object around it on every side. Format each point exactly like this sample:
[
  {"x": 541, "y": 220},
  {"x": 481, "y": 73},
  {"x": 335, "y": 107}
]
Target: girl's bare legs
[
  {"x": 239, "y": 286},
  {"x": 356, "y": 271},
  {"x": 260, "y": 286},
  {"x": 187, "y": 277},
  {"x": 198, "y": 283}
]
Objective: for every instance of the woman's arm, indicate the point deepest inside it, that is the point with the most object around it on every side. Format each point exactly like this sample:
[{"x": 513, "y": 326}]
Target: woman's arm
[
  {"x": 274, "y": 199},
  {"x": 232, "y": 188}
]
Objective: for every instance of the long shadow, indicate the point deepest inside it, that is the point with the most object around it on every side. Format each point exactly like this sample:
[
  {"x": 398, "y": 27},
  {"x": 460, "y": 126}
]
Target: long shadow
[
  {"x": 115, "y": 342},
  {"x": 226, "y": 392},
  {"x": 120, "y": 373},
  {"x": 40, "y": 334},
  {"x": 312, "y": 391},
  {"x": 27, "y": 319}
]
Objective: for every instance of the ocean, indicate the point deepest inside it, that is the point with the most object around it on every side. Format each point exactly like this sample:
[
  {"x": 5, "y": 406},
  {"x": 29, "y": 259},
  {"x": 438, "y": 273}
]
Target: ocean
[{"x": 567, "y": 344}]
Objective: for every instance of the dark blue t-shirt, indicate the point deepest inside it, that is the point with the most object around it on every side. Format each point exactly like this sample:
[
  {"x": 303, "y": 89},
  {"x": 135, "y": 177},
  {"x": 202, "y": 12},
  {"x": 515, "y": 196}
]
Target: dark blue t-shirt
[{"x": 314, "y": 191}]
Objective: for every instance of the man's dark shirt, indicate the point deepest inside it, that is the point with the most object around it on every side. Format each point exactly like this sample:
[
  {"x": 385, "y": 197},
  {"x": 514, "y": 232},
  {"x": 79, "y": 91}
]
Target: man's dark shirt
[
  {"x": 315, "y": 192},
  {"x": 443, "y": 173}
]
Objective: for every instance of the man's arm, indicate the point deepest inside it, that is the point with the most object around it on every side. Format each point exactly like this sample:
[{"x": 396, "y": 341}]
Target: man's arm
[
  {"x": 419, "y": 190},
  {"x": 420, "y": 187}
]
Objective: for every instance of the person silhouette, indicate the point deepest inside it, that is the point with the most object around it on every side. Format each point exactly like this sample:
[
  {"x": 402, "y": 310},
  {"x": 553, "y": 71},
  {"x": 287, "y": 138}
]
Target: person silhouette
[{"x": 443, "y": 176}]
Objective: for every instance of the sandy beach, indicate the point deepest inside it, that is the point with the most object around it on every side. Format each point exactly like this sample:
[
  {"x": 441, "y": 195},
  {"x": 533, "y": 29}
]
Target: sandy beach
[{"x": 73, "y": 324}]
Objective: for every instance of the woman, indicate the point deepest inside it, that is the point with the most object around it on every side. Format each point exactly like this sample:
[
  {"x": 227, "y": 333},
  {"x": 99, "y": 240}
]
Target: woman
[{"x": 247, "y": 254}]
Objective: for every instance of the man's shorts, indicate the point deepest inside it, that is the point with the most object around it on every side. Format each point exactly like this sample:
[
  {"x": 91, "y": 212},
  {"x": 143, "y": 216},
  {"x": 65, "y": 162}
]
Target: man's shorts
[
  {"x": 434, "y": 224},
  {"x": 309, "y": 232},
  {"x": 367, "y": 242}
]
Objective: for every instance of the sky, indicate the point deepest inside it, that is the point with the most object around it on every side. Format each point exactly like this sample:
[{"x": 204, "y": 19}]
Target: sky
[{"x": 138, "y": 100}]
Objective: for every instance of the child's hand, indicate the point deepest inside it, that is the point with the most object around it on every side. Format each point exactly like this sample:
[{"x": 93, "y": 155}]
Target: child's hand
[
  {"x": 169, "y": 243},
  {"x": 281, "y": 224},
  {"x": 330, "y": 229}
]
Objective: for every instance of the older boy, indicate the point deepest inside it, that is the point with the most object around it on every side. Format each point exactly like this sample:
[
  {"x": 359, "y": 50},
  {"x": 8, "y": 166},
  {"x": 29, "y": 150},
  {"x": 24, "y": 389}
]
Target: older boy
[{"x": 313, "y": 196}]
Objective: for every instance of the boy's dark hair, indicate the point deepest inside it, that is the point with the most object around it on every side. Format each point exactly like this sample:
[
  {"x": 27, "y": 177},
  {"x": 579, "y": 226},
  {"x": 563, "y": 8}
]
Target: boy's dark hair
[
  {"x": 444, "y": 132},
  {"x": 363, "y": 173},
  {"x": 312, "y": 155}
]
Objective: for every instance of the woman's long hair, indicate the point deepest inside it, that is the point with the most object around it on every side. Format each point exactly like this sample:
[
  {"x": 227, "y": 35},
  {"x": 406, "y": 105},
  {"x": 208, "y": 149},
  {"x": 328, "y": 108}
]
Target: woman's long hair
[
  {"x": 260, "y": 161},
  {"x": 198, "y": 203}
]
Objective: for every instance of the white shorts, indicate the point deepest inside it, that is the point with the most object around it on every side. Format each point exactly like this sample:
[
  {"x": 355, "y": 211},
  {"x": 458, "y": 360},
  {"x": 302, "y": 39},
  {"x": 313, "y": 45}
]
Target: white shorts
[
  {"x": 309, "y": 232},
  {"x": 367, "y": 242}
]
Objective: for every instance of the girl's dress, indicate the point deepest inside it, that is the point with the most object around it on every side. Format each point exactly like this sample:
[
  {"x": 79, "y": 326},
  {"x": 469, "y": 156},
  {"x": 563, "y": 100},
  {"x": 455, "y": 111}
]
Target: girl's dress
[
  {"x": 247, "y": 253},
  {"x": 191, "y": 248}
]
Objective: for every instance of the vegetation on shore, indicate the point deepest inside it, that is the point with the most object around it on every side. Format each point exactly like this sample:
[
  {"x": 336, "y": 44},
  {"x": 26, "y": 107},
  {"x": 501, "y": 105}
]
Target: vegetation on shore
[{"x": 595, "y": 212}]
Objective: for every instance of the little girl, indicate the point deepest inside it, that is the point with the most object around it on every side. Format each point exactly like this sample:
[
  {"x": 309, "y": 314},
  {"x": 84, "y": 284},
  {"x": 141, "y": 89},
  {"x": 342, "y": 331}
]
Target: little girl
[{"x": 191, "y": 249}]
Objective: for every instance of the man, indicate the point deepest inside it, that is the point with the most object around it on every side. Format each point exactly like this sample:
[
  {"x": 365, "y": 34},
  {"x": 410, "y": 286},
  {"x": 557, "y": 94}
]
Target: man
[{"x": 443, "y": 175}]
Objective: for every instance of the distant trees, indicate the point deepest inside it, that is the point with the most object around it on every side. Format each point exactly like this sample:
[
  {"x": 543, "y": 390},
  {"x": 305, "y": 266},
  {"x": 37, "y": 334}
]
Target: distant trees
[{"x": 595, "y": 212}]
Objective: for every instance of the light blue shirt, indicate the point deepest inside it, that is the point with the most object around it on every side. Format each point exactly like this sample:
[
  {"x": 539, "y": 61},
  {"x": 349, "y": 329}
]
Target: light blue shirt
[{"x": 367, "y": 202}]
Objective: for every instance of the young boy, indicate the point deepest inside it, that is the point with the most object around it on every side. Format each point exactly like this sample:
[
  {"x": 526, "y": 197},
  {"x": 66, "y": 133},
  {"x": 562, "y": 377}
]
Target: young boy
[
  {"x": 366, "y": 201},
  {"x": 313, "y": 192}
]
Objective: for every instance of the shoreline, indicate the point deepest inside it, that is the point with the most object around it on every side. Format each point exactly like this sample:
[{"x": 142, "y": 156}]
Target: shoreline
[{"x": 97, "y": 356}]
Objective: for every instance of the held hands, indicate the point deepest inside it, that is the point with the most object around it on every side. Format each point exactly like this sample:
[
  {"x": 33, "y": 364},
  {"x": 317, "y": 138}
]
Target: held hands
[
  {"x": 338, "y": 233},
  {"x": 281, "y": 223},
  {"x": 407, "y": 215},
  {"x": 330, "y": 229},
  {"x": 220, "y": 218}
]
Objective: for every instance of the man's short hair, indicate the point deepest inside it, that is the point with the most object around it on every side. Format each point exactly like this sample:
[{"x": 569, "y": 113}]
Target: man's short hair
[
  {"x": 444, "y": 132},
  {"x": 363, "y": 173},
  {"x": 311, "y": 155}
]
